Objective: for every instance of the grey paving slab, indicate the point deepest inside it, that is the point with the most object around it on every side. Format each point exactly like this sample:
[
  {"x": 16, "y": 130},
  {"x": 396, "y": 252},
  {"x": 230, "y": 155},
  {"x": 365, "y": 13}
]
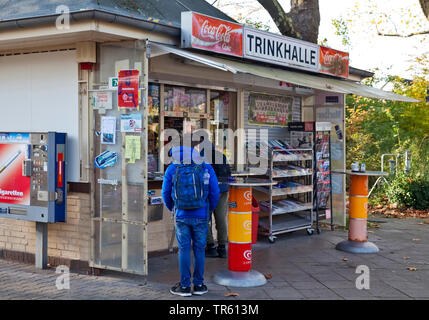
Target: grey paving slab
[
  {"x": 285, "y": 293},
  {"x": 300, "y": 267},
  {"x": 353, "y": 293},
  {"x": 307, "y": 285},
  {"x": 320, "y": 294},
  {"x": 339, "y": 284},
  {"x": 328, "y": 276}
]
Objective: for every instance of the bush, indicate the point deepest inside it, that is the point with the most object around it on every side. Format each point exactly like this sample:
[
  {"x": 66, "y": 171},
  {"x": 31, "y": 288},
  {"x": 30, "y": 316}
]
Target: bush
[{"x": 407, "y": 191}]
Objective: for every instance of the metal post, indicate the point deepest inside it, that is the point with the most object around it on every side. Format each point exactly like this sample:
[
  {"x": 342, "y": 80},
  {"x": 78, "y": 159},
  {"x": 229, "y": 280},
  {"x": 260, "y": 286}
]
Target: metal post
[
  {"x": 145, "y": 110},
  {"x": 392, "y": 167},
  {"x": 41, "y": 245},
  {"x": 124, "y": 240},
  {"x": 330, "y": 184},
  {"x": 407, "y": 161}
]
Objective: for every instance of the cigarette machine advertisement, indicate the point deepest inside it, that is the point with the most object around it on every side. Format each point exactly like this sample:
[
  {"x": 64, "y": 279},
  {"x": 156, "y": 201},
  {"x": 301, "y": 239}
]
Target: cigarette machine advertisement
[
  {"x": 33, "y": 180},
  {"x": 14, "y": 187}
]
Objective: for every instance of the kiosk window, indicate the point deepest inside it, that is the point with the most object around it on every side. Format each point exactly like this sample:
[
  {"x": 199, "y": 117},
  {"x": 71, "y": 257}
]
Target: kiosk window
[{"x": 182, "y": 99}]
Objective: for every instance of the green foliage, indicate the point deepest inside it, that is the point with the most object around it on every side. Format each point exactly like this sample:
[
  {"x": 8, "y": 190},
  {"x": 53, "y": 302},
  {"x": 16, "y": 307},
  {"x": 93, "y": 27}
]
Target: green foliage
[
  {"x": 408, "y": 192},
  {"x": 342, "y": 30},
  {"x": 254, "y": 24},
  {"x": 375, "y": 127}
]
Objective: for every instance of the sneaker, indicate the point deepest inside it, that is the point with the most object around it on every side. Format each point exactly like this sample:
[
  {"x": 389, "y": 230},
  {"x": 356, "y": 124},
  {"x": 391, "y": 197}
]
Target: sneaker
[
  {"x": 200, "y": 290},
  {"x": 178, "y": 290},
  {"x": 211, "y": 251},
  {"x": 221, "y": 250}
]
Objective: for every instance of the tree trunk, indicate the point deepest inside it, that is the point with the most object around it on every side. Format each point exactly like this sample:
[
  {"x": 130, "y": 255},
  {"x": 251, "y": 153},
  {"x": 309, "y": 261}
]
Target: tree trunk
[
  {"x": 425, "y": 7},
  {"x": 301, "y": 22}
]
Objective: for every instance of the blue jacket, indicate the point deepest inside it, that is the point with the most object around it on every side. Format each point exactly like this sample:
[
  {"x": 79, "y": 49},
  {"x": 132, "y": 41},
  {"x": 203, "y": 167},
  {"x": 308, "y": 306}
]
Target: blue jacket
[{"x": 181, "y": 154}]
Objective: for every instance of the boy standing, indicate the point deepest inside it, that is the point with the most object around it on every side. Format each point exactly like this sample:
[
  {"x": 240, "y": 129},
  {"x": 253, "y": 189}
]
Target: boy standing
[
  {"x": 190, "y": 188},
  {"x": 223, "y": 172}
]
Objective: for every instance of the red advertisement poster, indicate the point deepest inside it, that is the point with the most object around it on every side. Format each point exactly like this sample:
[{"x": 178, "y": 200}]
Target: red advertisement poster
[
  {"x": 128, "y": 89},
  {"x": 14, "y": 188},
  {"x": 216, "y": 35},
  {"x": 333, "y": 62}
]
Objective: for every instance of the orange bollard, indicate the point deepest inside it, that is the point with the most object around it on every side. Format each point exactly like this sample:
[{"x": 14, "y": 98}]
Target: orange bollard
[
  {"x": 358, "y": 216},
  {"x": 240, "y": 229},
  {"x": 358, "y": 208},
  {"x": 240, "y": 272}
]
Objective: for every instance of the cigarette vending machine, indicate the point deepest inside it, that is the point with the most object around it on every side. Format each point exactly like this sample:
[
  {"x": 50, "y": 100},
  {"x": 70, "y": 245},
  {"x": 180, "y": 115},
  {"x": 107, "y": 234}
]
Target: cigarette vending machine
[{"x": 32, "y": 176}]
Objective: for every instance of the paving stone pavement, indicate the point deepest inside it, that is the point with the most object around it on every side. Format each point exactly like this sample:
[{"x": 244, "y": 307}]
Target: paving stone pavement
[{"x": 301, "y": 267}]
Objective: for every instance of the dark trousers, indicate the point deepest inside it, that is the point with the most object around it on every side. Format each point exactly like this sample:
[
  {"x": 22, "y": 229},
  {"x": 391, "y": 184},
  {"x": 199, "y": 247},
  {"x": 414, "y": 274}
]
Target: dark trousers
[{"x": 220, "y": 214}]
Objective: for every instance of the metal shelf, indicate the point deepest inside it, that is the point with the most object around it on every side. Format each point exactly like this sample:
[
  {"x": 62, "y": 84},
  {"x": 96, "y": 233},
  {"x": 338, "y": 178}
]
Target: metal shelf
[
  {"x": 281, "y": 221},
  {"x": 295, "y": 159},
  {"x": 286, "y": 223},
  {"x": 294, "y": 175},
  {"x": 277, "y": 192},
  {"x": 279, "y": 212}
]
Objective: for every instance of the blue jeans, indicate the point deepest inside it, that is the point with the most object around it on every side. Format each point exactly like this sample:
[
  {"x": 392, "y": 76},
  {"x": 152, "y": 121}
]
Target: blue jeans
[{"x": 195, "y": 230}]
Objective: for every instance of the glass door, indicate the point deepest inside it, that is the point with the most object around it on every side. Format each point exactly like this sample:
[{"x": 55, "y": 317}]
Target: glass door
[{"x": 120, "y": 144}]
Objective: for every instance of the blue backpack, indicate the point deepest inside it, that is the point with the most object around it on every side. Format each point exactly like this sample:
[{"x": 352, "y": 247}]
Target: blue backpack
[{"x": 189, "y": 191}]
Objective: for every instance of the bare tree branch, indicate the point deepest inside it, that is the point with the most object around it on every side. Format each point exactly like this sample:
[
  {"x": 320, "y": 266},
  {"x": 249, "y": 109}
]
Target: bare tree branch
[
  {"x": 424, "y": 4},
  {"x": 402, "y": 35},
  {"x": 279, "y": 16}
]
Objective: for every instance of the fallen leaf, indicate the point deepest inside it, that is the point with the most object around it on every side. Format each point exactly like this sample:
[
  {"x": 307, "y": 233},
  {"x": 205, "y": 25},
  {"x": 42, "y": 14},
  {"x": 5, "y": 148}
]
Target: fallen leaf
[
  {"x": 369, "y": 231},
  {"x": 232, "y": 294},
  {"x": 268, "y": 276},
  {"x": 345, "y": 259},
  {"x": 416, "y": 239},
  {"x": 406, "y": 258},
  {"x": 140, "y": 285},
  {"x": 412, "y": 268}
]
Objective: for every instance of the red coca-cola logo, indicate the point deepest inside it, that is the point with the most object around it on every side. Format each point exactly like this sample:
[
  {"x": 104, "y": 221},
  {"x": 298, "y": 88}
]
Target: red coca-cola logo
[
  {"x": 334, "y": 62},
  {"x": 331, "y": 59},
  {"x": 217, "y": 35},
  {"x": 220, "y": 33}
]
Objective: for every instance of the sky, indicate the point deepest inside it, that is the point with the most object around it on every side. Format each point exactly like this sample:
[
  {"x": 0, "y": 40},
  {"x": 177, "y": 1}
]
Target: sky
[{"x": 368, "y": 51}]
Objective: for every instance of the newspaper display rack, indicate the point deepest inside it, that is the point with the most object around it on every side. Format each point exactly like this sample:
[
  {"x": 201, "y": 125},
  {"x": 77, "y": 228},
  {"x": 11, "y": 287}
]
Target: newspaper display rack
[{"x": 290, "y": 205}]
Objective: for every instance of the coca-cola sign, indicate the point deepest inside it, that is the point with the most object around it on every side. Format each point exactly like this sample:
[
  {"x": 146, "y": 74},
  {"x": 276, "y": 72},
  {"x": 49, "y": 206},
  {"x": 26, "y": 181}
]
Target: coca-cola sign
[
  {"x": 211, "y": 34},
  {"x": 333, "y": 62},
  {"x": 220, "y": 36}
]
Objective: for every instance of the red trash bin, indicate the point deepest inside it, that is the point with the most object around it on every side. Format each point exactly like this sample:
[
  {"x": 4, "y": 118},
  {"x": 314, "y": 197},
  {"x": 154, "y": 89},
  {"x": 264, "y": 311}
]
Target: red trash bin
[{"x": 255, "y": 219}]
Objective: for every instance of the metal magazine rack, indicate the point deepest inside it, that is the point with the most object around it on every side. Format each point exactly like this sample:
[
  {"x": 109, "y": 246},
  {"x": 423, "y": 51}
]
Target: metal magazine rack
[
  {"x": 323, "y": 178},
  {"x": 290, "y": 204}
]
